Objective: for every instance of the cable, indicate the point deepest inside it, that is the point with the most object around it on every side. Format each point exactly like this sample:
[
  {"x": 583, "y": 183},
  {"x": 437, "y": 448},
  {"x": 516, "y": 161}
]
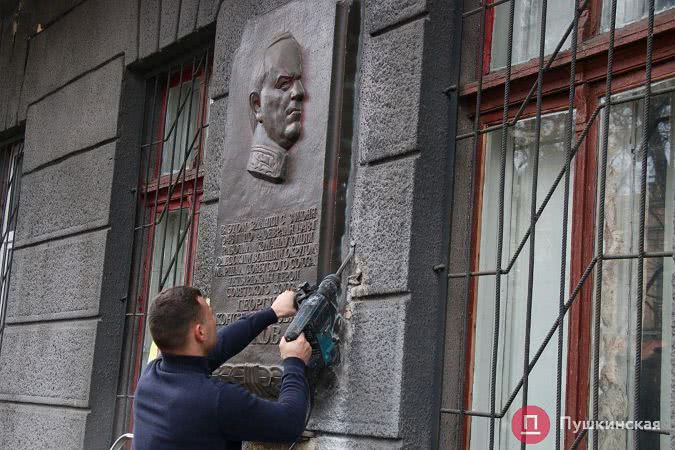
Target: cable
[{"x": 309, "y": 412}]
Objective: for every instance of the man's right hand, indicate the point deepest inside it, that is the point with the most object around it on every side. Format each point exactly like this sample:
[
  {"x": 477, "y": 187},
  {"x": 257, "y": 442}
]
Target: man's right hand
[
  {"x": 298, "y": 348},
  {"x": 284, "y": 305}
]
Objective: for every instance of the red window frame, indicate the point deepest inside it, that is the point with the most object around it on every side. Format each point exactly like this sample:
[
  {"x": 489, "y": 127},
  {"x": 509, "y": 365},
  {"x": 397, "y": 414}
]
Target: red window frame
[
  {"x": 591, "y": 71},
  {"x": 177, "y": 79},
  {"x": 592, "y": 40},
  {"x": 172, "y": 192}
]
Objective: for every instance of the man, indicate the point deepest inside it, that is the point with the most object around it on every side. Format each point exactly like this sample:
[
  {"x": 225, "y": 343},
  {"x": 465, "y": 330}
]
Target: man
[
  {"x": 276, "y": 107},
  {"x": 178, "y": 406}
]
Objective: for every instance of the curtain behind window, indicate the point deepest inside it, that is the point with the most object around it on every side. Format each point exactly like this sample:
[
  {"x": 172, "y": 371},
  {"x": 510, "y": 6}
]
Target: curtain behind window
[
  {"x": 526, "y": 29},
  {"x": 628, "y": 11},
  {"x": 546, "y": 287},
  {"x": 619, "y": 284}
]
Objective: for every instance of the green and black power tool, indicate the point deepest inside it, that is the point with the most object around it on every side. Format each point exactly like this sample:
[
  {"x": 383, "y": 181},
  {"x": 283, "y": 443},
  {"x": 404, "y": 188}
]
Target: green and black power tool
[{"x": 319, "y": 319}]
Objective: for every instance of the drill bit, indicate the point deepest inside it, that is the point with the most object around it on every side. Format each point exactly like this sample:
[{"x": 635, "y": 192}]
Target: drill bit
[{"x": 344, "y": 263}]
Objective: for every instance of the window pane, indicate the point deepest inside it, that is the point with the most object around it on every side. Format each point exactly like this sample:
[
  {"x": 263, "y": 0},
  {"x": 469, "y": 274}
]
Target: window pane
[
  {"x": 617, "y": 350},
  {"x": 546, "y": 288},
  {"x": 622, "y": 197},
  {"x": 174, "y": 225},
  {"x": 526, "y": 29},
  {"x": 619, "y": 287},
  {"x": 180, "y": 126},
  {"x": 628, "y": 11}
]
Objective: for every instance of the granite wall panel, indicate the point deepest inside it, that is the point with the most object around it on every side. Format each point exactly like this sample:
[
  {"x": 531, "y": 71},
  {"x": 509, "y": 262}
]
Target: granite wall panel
[
  {"x": 80, "y": 115},
  {"x": 57, "y": 279},
  {"x": 68, "y": 197},
  {"x": 35, "y": 427},
  {"x": 48, "y": 363}
]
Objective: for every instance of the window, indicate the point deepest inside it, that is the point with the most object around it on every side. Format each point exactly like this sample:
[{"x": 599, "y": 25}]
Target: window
[
  {"x": 559, "y": 15},
  {"x": 11, "y": 156},
  {"x": 575, "y": 316},
  {"x": 169, "y": 195},
  {"x": 622, "y": 203},
  {"x": 171, "y": 189},
  {"x": 629, "y": 11},
  {"x": 181, "y": 119},
  {"x": 527, "y": 29},
  {"x": 520, "y": 150}
]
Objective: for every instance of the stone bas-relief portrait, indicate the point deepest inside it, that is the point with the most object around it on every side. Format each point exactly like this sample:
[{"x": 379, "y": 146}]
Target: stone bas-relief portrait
[
  {"x": 275, "y": 152},
  {"x": 276, "y": 107}
]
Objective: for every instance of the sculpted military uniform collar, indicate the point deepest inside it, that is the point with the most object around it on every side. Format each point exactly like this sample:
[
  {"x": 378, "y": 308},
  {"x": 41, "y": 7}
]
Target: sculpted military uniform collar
[{"x": 267, "y": 161}]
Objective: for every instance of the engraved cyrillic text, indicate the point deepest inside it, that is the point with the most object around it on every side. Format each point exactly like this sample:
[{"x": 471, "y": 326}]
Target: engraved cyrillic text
[{"x": 261, "y": 258}]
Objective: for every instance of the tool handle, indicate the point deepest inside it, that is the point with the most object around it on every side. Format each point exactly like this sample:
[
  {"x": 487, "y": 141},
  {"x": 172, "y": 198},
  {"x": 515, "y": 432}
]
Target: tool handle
[
  {"x": 297, "y": 326},
  {"x": 304, "y": 291}
]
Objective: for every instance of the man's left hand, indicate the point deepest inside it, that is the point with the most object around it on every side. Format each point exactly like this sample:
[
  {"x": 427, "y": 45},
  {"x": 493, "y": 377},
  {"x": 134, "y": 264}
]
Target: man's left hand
[{"x": 284, "y": 305}]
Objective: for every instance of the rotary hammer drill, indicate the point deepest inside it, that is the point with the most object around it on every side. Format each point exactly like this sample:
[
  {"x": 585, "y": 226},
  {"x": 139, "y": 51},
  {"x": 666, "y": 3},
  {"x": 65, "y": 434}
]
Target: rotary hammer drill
[{"x": 318, "y": 318}]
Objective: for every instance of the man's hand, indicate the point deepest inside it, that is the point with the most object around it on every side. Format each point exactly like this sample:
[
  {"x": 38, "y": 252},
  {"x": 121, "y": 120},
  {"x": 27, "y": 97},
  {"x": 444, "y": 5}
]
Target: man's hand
[
  {"x": 298, "y": 348},
  {"x": 284, "y": 305}
]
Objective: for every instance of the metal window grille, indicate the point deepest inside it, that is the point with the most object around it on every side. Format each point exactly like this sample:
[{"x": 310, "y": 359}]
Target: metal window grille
[
  {"x": 566, "y": 122},
  {"x": 169, "y": 193},
  {"x": 11, "y": 156}
]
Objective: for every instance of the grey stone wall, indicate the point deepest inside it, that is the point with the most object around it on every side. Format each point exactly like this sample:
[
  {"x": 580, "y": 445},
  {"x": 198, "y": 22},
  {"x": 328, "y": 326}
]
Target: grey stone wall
[
  {"x": 50, "y": 341},
  {"x": 39, "y": 272},
  {"x": 59, "y": 427},
  {"x": 65, "y": 82},
  {"x": 386, "y": 391}
]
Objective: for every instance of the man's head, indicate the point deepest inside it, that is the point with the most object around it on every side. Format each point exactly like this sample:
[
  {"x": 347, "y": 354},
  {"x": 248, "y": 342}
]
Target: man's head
[
  {"x": 278, "y": 93},
  {"x": 181, "y": 322}
]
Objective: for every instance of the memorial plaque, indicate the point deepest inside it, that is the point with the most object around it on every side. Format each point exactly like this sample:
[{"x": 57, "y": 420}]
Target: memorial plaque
[{"x": 276, "y": 213}]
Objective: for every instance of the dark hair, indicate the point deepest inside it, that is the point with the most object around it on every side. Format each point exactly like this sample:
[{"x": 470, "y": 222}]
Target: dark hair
[{"x": 171, "y": 314}]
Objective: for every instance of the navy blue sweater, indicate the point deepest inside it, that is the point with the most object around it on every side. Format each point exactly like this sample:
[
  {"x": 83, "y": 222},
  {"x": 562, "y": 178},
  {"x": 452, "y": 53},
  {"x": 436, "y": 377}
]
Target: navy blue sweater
[{"x": 178, "y": 406}]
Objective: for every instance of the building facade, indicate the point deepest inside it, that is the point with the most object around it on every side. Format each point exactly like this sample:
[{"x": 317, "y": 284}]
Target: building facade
[{"x": 503, "y": 170}]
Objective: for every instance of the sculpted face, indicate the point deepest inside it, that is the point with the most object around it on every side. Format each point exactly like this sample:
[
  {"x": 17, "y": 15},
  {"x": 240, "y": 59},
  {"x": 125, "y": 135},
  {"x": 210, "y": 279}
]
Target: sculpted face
[{"x": 278, "y": 105}]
